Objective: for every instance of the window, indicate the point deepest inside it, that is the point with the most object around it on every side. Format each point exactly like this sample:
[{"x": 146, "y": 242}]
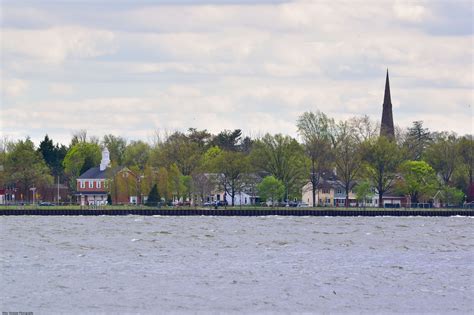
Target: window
[
  {"x": 339, "y": 191},
  {"x": 325, "y": 190},
  {"x": 91, "y": 184},
  {"x": 98, "y": 184},
  {"x": 82, "y": 184}
]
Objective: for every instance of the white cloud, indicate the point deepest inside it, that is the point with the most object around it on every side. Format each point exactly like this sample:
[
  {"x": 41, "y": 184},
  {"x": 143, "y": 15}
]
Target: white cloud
[
  {"x": 14, "y": 87},
  {"x": 255, "y": 67},
  {"x": 410, "y": 11},
  {"x": 58, "y": 43},
  {"x": 61, "y": 89}
]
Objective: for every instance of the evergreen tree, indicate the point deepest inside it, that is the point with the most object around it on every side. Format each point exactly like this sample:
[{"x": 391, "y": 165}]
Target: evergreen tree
[
  {"x": 153, "y": 196},
  {"x": 417, "y": 140},
  {"x": 53, "y": 155}
]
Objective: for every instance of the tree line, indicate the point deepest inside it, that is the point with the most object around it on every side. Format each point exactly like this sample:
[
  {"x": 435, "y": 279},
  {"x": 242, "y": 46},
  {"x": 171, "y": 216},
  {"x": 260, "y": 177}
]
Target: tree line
[{"x": 418, "y": 163}]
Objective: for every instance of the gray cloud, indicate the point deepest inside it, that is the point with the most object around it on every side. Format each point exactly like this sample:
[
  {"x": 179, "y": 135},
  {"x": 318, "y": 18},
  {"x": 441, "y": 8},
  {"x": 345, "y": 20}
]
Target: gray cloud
[{"x": 132, "y": 68}]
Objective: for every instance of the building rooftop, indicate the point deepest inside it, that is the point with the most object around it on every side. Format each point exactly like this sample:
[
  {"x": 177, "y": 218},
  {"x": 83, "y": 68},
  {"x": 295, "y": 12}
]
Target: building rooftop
[{"x": 93, "y": 173}]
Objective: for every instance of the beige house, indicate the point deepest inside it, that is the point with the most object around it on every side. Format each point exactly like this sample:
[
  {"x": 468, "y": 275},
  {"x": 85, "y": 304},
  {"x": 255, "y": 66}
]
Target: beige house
[{"x": 328, "y": 193}]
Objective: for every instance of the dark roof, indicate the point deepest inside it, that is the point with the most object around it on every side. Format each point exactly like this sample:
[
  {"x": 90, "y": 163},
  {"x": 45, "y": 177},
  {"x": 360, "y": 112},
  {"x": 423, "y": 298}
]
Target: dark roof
[
  {"x": 93, "y": 173},
  {"x": 96, "y": 173}
]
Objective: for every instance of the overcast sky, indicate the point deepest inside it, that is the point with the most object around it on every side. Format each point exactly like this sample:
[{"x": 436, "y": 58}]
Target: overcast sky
[{"x": 133, "y": 67}]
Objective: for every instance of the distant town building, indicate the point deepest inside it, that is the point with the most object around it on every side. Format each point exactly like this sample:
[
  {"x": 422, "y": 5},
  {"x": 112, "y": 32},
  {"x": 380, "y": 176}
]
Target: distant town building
[{"x": 97, "y": 183}]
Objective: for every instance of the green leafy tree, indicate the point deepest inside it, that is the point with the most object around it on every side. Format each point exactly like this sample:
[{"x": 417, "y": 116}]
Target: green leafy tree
[
  {"x": 419, "y": 180},
  {"x": 282, "y": 157},
  {"x": 229, "y": 168},
  {"x": 121, "y": 183},
  {"x": 146, "y": 179},
  {"x": 116, "y": 147},
  {"x": 382, "y": 159},
  {"x": 316, "y": 130},
  {"x": 271, "y": 189},
  {"x": 163, "y": 184},
  {"x": 136, "y": 154},
  {"x": 466, "y": 152},
  {"x": 182, "y": 150},
  {"x": 175, "y": 182},
  {"x": 25, "y": 167},
  {"x": 3, "y": 157},
  {"x": 443, "y": 156},
  {"x": 79, "y": 158},
  {"x": 363, "y": 191},
  {"x": 451, "y": 196}
]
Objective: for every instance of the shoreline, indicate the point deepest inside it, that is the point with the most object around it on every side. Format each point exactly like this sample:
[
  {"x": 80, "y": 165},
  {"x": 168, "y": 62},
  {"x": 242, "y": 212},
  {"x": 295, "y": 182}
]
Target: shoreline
[{"x": 238, "y": 212}]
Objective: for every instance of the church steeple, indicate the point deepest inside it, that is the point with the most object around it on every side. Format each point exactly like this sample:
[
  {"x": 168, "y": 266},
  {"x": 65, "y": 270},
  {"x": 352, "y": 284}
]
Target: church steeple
[{"x": 387, "y": 129}]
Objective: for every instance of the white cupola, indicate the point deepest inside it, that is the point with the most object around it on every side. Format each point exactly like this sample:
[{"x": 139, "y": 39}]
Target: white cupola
[{"x": 105, "y": 159}]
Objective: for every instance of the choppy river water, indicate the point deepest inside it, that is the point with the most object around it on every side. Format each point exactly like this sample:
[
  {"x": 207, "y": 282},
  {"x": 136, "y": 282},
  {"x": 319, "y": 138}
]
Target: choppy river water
[{"x": 138, "y": 264}]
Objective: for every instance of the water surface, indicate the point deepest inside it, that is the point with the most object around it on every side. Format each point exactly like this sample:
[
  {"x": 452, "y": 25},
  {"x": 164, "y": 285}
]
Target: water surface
[{"x": 137, "y": 264}]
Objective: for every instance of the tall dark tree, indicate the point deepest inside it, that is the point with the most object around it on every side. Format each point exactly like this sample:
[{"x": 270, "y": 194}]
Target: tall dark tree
[
  {"x": 200, "y": 137},
  {"x": 153, "y": 196},
  {"x": 228, "y": 140},
  {"x": 417, "y": 140},
  {"x": 246, "y": 145},
  {"x": 53, "y": 155},
  {"x": 89, "y": 162}
]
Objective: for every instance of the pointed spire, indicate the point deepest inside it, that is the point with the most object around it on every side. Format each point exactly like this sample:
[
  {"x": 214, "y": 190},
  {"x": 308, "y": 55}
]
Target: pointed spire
[
  {"x": 386, "y": 98},
  {"x": 387, "y": 129}
]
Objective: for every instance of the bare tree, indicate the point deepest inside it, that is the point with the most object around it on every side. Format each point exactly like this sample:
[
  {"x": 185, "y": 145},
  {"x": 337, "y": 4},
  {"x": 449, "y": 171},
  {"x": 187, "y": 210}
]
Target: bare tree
[
  {"x": 347, "y": 157},
  {"x": 364, "y": 128},
  {"x": 317, "y": 131}
]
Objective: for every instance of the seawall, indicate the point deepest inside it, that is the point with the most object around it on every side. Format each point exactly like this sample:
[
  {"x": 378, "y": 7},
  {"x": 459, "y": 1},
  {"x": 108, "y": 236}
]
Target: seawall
[{"x": 238, "y": 212}]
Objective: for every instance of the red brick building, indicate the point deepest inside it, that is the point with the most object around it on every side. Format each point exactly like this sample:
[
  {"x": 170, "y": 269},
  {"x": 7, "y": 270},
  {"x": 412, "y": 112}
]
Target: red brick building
[{"x": 97, "y": 183}]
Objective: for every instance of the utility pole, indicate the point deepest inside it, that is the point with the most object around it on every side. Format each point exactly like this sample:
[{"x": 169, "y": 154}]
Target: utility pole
[{"x": 57, "y": 201}]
